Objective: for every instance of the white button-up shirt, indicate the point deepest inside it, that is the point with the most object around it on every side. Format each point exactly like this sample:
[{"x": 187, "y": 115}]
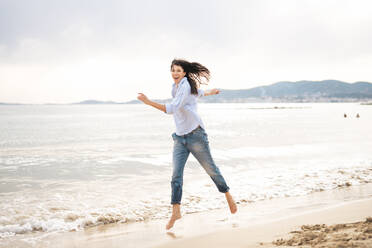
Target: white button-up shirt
[{"x": 184, "y": 107}]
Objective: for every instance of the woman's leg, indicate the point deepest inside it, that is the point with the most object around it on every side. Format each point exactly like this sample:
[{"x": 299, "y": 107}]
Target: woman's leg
[
  {"x": 199, "y": 147},
  {"x": 176, "y": 214},
  {"x": 180, "y": 155}
]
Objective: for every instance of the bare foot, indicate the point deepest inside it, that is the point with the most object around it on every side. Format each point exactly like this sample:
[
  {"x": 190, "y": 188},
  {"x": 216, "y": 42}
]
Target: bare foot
[
  {"x": 231, "y": 202},
  {"x": 175, "y": 216},
  {"x": 173, "y": 235}
]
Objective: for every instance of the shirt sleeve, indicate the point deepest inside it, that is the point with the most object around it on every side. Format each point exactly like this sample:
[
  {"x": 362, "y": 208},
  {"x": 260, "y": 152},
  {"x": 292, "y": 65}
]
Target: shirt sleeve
[
  {"x": 200, "y": 93},
  {"x": 179, "y": 100}
]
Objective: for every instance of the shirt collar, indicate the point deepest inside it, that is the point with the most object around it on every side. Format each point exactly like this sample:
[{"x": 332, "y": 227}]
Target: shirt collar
[{"x": 184, "y": 79}]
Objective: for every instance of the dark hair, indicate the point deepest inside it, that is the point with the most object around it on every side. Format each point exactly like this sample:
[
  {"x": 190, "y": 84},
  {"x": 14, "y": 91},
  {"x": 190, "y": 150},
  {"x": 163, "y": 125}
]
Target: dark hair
[{"x": 194, "y": 73}]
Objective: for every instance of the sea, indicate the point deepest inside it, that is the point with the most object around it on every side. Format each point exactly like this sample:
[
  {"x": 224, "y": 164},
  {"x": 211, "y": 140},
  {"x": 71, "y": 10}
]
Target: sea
[{"x": 69, "y": 167}]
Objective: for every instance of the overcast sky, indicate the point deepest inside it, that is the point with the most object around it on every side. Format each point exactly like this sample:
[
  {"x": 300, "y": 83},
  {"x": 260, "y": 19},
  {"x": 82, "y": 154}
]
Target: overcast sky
[{"x": 69, "y": 51}]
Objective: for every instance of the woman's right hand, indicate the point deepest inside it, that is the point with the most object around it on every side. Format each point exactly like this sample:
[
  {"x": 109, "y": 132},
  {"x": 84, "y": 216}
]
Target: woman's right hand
[{"x": 142, "y": 97}]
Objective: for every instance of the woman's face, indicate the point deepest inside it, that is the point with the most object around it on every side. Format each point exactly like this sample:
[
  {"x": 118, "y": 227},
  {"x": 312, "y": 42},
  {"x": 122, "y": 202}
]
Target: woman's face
[{"x": 177, "y": 73}]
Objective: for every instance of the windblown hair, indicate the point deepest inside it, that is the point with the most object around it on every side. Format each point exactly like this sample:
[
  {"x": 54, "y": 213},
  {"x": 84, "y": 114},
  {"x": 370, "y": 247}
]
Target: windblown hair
[{"x": 194, "y": 73}]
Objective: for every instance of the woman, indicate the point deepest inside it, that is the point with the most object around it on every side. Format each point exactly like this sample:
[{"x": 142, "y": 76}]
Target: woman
[{"x": 190, "y": 135}]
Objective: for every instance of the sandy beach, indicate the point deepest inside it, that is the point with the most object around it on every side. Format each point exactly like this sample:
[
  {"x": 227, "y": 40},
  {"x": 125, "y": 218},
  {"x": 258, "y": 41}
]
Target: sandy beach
[{"x": 344, "y": 225}]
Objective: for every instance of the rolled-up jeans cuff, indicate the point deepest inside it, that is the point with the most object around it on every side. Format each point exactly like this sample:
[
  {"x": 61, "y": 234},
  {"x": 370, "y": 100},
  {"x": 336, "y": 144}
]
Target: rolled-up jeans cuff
[{"x": 226, "y": 190}]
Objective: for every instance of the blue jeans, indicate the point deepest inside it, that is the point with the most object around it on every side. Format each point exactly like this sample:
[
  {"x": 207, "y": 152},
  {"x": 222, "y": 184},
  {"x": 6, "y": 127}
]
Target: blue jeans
[{"x": 197, "y": 143}]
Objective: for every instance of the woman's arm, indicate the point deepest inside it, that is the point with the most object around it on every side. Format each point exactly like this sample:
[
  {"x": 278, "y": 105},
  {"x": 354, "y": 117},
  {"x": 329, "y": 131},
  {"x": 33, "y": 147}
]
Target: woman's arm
[
  {"x": 211, "y": 92},
  {"x": 169, "y": 108},
  {"x": 142, "y": 97}
]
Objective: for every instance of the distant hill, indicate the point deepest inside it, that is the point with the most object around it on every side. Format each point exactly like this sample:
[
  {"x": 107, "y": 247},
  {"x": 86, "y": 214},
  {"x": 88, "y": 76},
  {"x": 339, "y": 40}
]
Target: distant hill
[
  {"x": 5, "y": 103},
  {"x": 301, "y": 91},
  {"x": 112, "y": 102},
  {"x": 96, "y": 102}
]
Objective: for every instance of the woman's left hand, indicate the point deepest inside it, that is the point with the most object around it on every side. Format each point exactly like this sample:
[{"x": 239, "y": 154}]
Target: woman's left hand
[{"x": 215, "y": 91}]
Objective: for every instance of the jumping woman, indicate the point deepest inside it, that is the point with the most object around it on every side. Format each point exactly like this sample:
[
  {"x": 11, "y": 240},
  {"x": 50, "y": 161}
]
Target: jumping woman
[{"x": 190, "y": 135}]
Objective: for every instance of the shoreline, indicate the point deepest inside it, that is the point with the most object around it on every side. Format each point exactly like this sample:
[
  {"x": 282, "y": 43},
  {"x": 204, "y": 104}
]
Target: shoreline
[{"x": 273, "y": 217}]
